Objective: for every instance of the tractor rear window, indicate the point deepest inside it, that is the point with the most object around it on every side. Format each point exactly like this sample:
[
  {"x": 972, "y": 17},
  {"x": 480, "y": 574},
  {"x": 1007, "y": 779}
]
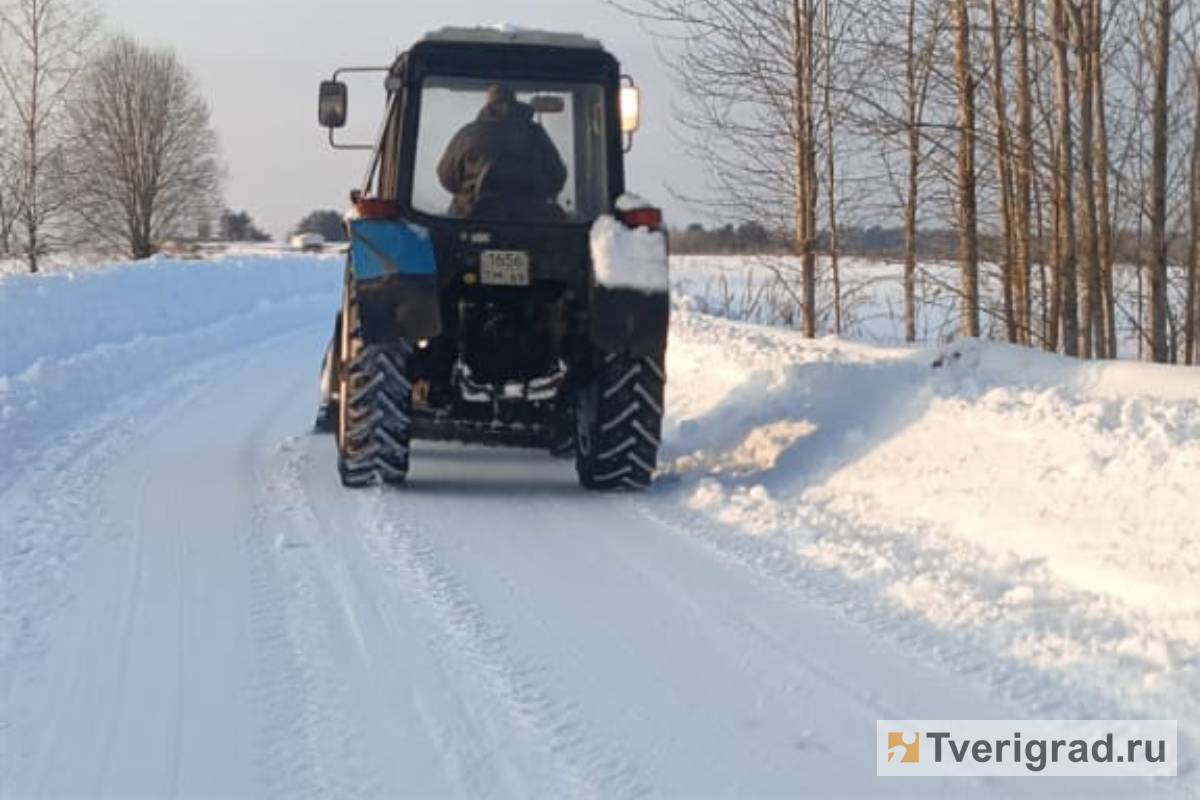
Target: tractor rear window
[{"x": 511, "y": 151}]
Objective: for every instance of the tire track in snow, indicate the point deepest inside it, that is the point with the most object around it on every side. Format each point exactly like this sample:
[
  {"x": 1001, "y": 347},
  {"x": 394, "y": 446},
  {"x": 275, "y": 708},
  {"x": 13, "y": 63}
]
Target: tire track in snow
[
  {"x": 312, "y": 743},
  {"x": 480, "y": 651},
  {"x": 52, "y": 502},
  {"x": 58, "y": 512},
  {"x": 132, "y": 604},
  {"x": 283, "y": 677}
]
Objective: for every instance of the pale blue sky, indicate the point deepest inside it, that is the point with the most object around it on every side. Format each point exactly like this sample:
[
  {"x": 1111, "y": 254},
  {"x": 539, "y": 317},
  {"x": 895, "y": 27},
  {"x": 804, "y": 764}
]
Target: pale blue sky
[{"x": 259, "y": 62}]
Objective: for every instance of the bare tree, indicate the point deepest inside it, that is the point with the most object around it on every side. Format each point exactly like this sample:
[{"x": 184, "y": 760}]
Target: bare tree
[
  {"x": 1064, "y": 191},
  {"x": 805, "y": 155},
  {"x": 45, "y": 44},
  {"x": 143, "y": 142},
  {"x": 901, "y": 122},
  {"x": 1004, "y": 170},
  {"x": 1023, "y": 200},
  {"x": 1102, "y": 167},
  {"x": 1082, "y": 148},
  {"x": 1161, "y": 67},
  {"x": 10, "y": 189},
  {"x": 831, "y": 166},
  {"x": 914, "y": 108},
  {"x": 1083, "y": 27},
  {"x": 967, "y": 202},
  {"x": 749, "y": 111},
  {"x": 1192, "y": 321}
]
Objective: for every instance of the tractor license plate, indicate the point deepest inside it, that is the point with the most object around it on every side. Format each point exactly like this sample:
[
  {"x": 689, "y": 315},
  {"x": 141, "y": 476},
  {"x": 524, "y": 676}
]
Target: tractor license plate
[{"x": 504, "y": 268}]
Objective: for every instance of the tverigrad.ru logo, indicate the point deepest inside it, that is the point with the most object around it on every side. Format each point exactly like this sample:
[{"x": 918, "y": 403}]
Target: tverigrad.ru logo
[{"x": 1030, "y": 748}]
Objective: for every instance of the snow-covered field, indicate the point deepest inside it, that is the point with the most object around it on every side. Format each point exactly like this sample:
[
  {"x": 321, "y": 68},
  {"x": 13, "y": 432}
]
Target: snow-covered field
[
  {"x": 763, "y": 289},
  {"x": 190, "y": 605}
]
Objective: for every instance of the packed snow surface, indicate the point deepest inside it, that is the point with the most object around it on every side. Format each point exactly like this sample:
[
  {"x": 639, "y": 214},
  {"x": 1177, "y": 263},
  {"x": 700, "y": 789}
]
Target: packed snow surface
[
  {"x": 191, "y": 605},
  {"x": 628, "y": 258}
]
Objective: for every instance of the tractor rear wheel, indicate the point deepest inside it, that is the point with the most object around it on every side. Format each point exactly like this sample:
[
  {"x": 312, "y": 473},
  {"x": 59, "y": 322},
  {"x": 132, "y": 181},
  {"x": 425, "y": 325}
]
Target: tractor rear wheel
[
  {"x": 374, "y": 408},
  {"x": 619, "y": 422}
]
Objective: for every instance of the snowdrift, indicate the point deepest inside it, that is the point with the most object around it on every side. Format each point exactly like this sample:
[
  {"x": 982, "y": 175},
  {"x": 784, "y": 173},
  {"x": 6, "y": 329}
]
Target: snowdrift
[
  {"x": 1009, "y": 512},
  {"x": 75, "y": 341}
]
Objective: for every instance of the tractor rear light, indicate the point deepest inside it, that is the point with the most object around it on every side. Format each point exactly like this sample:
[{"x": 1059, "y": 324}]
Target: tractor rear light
[{"x": 642, "y": 218}]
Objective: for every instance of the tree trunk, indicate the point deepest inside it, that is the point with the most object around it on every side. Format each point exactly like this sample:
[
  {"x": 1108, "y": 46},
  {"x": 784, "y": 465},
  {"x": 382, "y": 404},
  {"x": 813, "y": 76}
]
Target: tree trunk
[
  {"x": 1024, "y": 176},
  {"x": 1045, "y": 188},
  {"x": 1161, "y": 65},
  {"x": 1092, "y": 339},
  {"x": 1193, "y": 300},
  {"x": 33, "y": 244},
  {"x": 1004, "y": 170},
  {"x": 1065, "y": 201},
  {"x": 1048, "y": 324},
  {"x": 1055, "y": 319},
  {"x": 831, "y": 174},
  {"x": 968, "y": 208},
  {"x": 805, "y": 162},
  {"x": 910, "y": 237},
  {"x": 913, "y": 187},
  {"x": 810, "y": 139},
  {"x": 1103, "y": 205}
]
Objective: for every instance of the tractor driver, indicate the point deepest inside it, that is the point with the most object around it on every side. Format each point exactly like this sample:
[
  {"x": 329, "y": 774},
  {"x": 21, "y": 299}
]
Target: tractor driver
[{"x": 504, "y": 164}]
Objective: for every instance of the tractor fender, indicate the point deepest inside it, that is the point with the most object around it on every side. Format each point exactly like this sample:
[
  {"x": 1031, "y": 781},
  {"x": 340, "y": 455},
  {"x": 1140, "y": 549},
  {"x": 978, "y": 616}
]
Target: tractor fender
[
  {"x": 395, "y": 273},
  {"x": 629, "y": 320},
  {"x": 630, "y": 291}
]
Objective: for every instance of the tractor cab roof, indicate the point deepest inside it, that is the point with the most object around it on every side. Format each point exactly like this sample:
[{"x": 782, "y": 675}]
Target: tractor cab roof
[
  {"x": 508, "y": 34},
  {"x": 508, "y": 51}
]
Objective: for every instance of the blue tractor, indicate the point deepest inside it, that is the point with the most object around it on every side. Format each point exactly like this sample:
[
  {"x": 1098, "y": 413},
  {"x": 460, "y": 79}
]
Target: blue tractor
[{"x": 501, "y": 286}]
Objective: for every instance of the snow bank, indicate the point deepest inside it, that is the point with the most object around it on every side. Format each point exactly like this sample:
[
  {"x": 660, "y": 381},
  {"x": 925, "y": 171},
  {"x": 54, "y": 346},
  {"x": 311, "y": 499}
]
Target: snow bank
[
  {"x": 57, "y": 315},
  {"x": 1029, "y": 516},
  {"x": 628, "y": 258},
  {"x": 74, "y": 342}
]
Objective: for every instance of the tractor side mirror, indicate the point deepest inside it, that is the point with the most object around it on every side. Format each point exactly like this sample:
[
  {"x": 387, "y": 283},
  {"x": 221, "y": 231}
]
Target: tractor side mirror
[
  {"x": 631, "y": 107},
  {"x": 331, "y": 108}
]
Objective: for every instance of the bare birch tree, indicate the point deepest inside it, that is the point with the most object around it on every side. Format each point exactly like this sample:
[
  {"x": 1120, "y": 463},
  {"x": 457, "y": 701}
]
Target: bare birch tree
[
  {"x": 1067, "y": 283},
  {"x": 1091, "y": 331},
  {"x": 804, "y": 157},
  {"x": 1004, "y": 169},
  {"x": 1082, "y": 146},
  {"x": 1023, "y": 185},
  {"x": 1192, "y": 313},
  {"x": 967, "y": 200},
  {"x": 749, "y": 112},
  {"x": 914, "y": 106},
  {"x": 144, "y": 149},
  {"x": 1102, "y": 167},
  {"x": 831, "y": 164},
  {"x": 43, "y": 47},
  {"x": 1160, "y": 66},
  {"x": 10, "y": 189}
]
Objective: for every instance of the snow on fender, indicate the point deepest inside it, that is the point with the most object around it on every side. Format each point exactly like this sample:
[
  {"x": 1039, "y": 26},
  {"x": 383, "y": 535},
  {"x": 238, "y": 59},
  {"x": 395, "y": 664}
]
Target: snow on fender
[{"x": 628, "y": 258}]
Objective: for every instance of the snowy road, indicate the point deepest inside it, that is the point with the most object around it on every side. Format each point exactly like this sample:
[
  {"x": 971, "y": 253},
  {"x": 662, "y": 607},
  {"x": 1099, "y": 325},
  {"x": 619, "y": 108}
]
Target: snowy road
[
  {"x": 239, "y": 624},
  {"x": 193, "y": 607}
]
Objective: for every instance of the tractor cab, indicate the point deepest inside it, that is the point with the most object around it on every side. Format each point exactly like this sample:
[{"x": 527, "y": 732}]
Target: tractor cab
[{"x": 571, "y": 88}]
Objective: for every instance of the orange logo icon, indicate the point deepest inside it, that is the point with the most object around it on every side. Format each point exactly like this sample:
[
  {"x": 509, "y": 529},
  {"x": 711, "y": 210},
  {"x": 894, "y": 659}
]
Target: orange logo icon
[{"x": 905, "y": 750}]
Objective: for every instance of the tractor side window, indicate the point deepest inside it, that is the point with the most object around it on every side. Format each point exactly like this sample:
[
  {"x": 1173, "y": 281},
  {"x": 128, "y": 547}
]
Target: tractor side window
[{"x": 516, "y": 151}]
